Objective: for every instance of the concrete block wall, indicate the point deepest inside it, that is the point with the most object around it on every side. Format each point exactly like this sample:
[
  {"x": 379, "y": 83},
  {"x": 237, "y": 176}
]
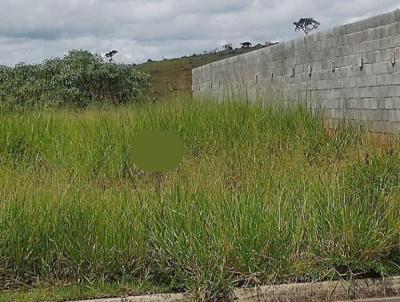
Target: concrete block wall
[{"x": 351, "y": 71}]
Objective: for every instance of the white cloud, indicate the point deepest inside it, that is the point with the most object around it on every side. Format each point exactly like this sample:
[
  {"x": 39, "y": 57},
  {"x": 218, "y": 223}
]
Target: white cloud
[{"x": 141, "y": 29}]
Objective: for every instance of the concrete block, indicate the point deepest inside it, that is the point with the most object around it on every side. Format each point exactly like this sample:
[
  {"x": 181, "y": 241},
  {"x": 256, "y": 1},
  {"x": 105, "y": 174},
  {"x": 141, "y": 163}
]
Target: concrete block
[
  {"x": 395, "y": 41},
  {"x": 372, "y": 104},
  {"x": 334, "y": 93},
  {"x": 396, "y": 78},
  {"x": 354, "y": 38},
  {"x": 397, "y": 28},
  {"x": 381, "y": 103},
  {"x": 385, "y": 79},
  {"x": 352, "y": 82},
  {"x": 353, "y": 103},
  {"x": 383, "y": 55},
  {"x": 378, "y": 91},
  {"x": 328, "y": 53},
  {"x": 363, "y": 114},
  {"x": 379, "y": 32},
  {"x": 388, "y": 103},
  {"x": 378, "y": 127},
  {"x": 356, "y": 71},
  {"x": 394, "y": 115},
  {"x": 350, "y": 92},
  {"x": 382, "y": 68},
  {"x": 395, "y": 102},
  {"x": 343, "y": 103},
  {"x": 324, "y": 64},
  {"x": 397, "y": 63},
  {"x": 334, "y": 103},
  {"x": 338, "y": 113},
  {"x": 361, "y": 103},
  {"x": 345, "y": 61},
  {"x": 363, "y": 92},
  {"x": 374, "y": 45},
  {"x": 364, "y": 103},
  {"x": 343, "y": 72},
  {"x": 391, "y": 29},
  {"x": 370, "y": 57},
  {"x": 371, "y": 34},
  {"x": 326, "y": 75},
  {"x": 388, "y": 42},
  {"x": 339, "y": 31},
  {"x": 366, "y": 80},
  {"x": 393, "y": 127},
  {"x": 378, "y": 115},
  {"x": 355, "y": 27},
  {"x": 339, "y": 40},
  {"x": 381, "y": 20},
  {"x": 352, "y": 114},
  {"x": 344, "y": 83},
  {"x": 352, "y": 49},
  {"x": 322, "y": 36},
  {"x": 334, "y": 84},
  {"x": 378, "y": 103},
  {"x": 393, "y": 90}
]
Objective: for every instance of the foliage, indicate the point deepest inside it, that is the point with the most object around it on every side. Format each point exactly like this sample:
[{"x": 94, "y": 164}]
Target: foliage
[
  {"x": 111, "y": 54},
  {"x": 264, "y": 195},
  {"x": 80, "y": 78},
  {"x": 246, "y": 44},
  {"x": 306, "y": 25},
  {"x": 228, "y": 46}
]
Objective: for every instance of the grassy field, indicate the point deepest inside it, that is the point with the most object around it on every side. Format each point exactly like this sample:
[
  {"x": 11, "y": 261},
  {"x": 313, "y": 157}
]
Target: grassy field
[
  {"x": 263, "y": 196},
  {"x": 175, "y": 75}
]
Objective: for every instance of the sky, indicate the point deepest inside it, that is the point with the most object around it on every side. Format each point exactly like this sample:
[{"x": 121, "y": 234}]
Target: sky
[{"x": 31, "y": 31}]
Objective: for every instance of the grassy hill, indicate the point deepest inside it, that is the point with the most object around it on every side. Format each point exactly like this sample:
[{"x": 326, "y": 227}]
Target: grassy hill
[{"x": 175, "y": 75}]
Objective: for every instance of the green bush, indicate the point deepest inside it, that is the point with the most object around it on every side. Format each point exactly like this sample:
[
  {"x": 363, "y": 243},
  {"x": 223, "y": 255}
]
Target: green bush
[{"x": 79, "y": 79}]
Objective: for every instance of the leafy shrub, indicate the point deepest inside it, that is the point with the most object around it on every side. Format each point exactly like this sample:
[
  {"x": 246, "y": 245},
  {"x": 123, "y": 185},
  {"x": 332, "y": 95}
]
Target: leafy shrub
[{"x": 80, "y": 78}]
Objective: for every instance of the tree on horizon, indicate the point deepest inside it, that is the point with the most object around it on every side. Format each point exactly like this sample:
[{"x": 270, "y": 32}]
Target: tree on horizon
[
  {"x": 306, "y": 25},
  {"x": 111, "y": 54}
]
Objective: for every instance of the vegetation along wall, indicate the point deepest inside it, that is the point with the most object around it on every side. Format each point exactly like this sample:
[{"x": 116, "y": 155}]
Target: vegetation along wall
[{"x": 351, "y": 71}]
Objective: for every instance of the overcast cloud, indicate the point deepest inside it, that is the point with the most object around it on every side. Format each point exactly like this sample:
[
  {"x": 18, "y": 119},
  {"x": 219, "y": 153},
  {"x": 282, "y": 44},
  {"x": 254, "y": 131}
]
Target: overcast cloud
[{"x": 31, "y": 31}]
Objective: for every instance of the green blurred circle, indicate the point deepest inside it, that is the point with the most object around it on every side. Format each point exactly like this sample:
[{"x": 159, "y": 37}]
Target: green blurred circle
[{"x": 157, "y": 151}]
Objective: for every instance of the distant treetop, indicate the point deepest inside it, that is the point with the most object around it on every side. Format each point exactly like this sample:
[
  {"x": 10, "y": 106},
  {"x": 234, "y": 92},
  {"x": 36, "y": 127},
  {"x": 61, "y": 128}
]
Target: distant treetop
[
  {"x": 228, "y": 46},
  {"x": 306, "y": 25},
  {"x": 246, "y": 44},
  {"x": 110, "y": 54}
]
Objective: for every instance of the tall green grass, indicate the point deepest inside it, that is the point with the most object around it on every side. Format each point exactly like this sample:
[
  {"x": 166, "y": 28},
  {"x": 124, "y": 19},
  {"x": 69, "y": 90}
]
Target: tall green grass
[{"x": 264, "y": 195}]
